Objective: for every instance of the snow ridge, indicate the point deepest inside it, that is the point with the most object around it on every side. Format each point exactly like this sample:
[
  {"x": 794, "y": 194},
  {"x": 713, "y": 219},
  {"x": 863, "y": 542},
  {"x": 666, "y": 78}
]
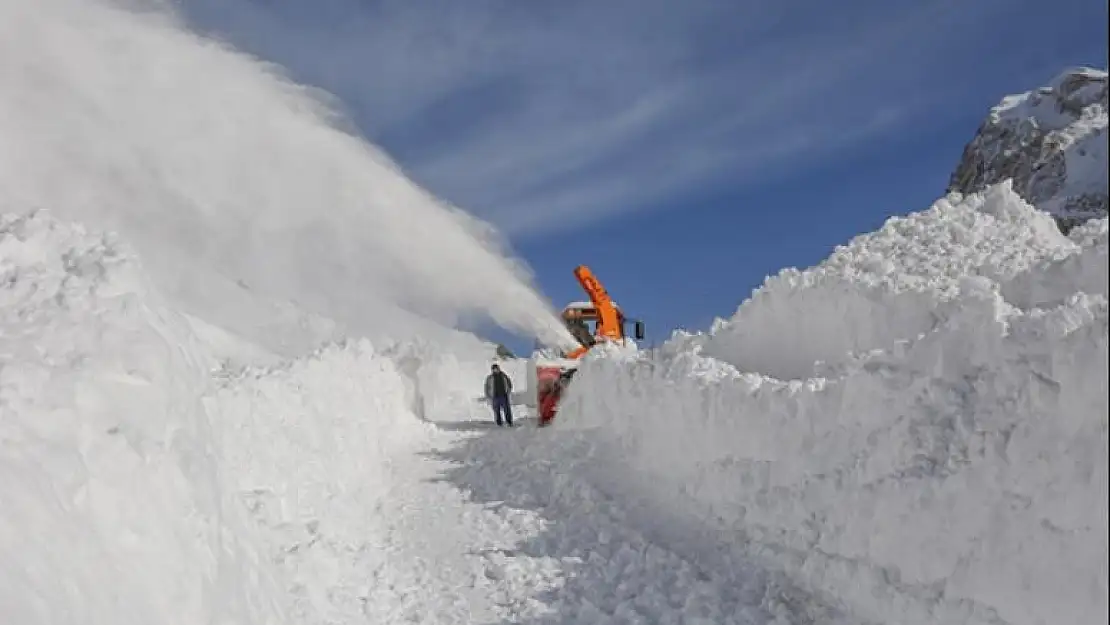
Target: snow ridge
[{"x": 884, "y": 286}]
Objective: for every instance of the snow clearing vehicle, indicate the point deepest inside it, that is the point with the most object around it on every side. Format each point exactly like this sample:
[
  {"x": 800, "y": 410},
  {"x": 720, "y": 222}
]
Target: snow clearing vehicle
[{"x": 549, "y": 376}]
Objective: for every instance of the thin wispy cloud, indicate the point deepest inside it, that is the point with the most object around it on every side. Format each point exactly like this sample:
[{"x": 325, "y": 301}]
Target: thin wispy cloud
[{"x": 544, "y": 117}]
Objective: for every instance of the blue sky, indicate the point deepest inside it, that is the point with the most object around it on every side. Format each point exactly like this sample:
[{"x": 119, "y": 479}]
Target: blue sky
[{"x": 684, "y": 149}]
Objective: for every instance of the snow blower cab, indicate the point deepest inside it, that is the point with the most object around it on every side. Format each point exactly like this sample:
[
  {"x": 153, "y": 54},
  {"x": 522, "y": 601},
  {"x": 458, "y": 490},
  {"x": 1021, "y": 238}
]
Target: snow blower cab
[
  {"x": 551, "y": 375},
  {"x": 587, "y": 326}
]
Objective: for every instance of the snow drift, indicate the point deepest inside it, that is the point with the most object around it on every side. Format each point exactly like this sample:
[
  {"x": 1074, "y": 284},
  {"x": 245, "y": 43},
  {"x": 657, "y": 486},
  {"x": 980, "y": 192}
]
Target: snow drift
[
  {"x": 248, "y": 200},
  {"x": 949, "y": 462}
]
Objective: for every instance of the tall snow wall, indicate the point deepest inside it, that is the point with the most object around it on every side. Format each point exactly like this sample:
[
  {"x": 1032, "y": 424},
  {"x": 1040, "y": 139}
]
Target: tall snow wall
[
  {"x": 115, "y": 505},
  {"x": 937, "y": 451},
  {"x": 311, "y": 443}
]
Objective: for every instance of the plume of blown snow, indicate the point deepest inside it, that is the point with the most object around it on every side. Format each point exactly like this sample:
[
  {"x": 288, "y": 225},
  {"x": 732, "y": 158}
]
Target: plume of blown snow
[
  {"x": 950, "y": 466},
  {"x": 227, "y": 177},
  {"x": 138, "y": 487}
]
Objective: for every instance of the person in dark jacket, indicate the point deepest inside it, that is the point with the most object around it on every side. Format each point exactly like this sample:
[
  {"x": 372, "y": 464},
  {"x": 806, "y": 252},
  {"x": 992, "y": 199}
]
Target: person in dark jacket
[{"x": 498, "y": 388}]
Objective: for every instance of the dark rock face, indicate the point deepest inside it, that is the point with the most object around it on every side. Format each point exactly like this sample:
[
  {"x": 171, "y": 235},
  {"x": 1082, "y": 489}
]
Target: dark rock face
[{"x": 1051, "y": 142}]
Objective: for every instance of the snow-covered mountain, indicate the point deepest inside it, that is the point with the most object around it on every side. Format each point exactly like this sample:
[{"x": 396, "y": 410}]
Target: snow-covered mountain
[{"x": 1052, "y": 142}]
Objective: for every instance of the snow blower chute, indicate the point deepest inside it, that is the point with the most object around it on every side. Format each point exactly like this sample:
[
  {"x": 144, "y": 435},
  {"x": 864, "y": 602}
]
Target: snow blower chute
[{"x": 551, "y": 375}]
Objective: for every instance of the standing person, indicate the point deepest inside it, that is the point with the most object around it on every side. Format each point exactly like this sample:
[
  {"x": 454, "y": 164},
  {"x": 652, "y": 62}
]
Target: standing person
[{"x": 498, "y": 387}]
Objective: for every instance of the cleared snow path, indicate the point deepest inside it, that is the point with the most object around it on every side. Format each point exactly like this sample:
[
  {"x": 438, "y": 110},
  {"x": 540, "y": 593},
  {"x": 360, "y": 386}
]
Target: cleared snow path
[
  {"x": 438, "y": 558},
  {"x": 442, "y": 557},
  {"x": 544, "y": 546}
]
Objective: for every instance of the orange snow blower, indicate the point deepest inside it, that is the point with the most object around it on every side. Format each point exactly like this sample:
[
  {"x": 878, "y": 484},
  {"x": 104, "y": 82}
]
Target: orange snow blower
[{"x": 552, "y": 375}]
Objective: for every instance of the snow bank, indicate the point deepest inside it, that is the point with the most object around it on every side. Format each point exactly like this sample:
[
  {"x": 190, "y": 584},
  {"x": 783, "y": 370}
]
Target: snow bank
[
  {"x": 115, "y": 505},
  {"x": 311, "y": 442},
  {"x": 953, "y": 469},
  {"x": 249, "y": 199}
]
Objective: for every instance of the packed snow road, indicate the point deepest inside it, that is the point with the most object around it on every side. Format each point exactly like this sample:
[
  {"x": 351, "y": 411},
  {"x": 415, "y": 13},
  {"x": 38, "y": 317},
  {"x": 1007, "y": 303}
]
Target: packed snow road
[{"x": 488, "y": 525}]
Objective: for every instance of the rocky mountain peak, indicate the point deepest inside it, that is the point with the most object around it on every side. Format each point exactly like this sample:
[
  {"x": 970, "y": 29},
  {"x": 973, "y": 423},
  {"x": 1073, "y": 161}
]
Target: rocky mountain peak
[{"x": 1052, "y": 142}]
